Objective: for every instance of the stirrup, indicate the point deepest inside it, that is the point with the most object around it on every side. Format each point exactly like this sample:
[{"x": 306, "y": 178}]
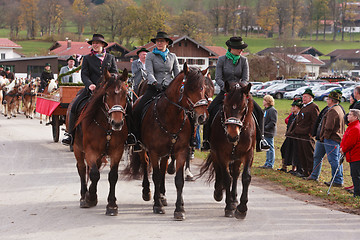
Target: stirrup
[
  {"x": 137, "y": 147},
  {"x": 263, "y": 145},
  {"x": 131, "y": 139},
  {"x": 67, "y": 140}
]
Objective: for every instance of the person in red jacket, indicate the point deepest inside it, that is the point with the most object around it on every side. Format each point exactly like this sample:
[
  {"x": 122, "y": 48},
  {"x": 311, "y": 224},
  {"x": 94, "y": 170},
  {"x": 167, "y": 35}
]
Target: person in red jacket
[{"x": 350, "y": 145}]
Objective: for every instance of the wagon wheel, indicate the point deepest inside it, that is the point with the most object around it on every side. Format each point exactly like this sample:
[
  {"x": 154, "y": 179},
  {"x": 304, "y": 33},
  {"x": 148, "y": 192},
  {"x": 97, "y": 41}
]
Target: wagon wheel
[{"x": 55, "y": 127}]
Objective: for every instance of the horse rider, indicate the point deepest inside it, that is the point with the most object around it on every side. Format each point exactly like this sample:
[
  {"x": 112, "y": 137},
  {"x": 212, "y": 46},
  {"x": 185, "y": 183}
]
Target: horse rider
[
  {"x": 2, "y": 72},
  {"x": 233, "y": 68},
  {"x": 9, "y": 75},
  {"x": 70, "y": 66},
  {"x": 161, "y": 67},
  {"x": 138, "y": 68},
  {"x": 92, "y": 68},
  {"x": 45, "y": 77}
]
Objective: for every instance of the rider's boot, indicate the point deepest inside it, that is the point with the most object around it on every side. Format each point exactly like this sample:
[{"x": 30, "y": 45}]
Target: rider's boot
[
  {"x": 68, "y": 136},
  {"x": 193, "y": 133},
  {"x": 206, "y": 132},
  {"x": 131, "y": 139}
]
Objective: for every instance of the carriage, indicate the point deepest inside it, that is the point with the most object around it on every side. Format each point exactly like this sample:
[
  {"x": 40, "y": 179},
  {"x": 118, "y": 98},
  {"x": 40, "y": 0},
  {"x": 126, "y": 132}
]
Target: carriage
[{"x": 55, "y": 105}]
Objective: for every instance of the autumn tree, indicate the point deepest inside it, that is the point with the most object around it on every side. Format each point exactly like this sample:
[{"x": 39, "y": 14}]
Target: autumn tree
[
  {"x": 80, "y": 15},
  {"x": 267, "y": 16},
  {"x": 295, "y": 9},
  {"x": 282, "y": 10},
  {"x": 13, "y": 18},
  {"x": 51, "y": 16},
  {"x": 215, "y": 14},
  {"x": 29, "y": 9},
  {"x": 320, "y": 11}
]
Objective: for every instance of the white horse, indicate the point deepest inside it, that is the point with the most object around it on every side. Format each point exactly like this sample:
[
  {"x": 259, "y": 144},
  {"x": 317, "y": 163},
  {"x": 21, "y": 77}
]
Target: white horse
[{"x": 50, "y": 88}]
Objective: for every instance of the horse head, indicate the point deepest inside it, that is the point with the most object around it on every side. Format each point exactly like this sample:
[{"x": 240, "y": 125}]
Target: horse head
[
  {"x": 114, "y": 98},
  {"x": 194, "y": 91},
  {"x": 237, "y": 106}
]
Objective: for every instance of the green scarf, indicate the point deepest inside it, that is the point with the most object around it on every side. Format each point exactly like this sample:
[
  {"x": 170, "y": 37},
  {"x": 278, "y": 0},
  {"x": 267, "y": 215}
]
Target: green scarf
[{"x": 232, "y": 57}]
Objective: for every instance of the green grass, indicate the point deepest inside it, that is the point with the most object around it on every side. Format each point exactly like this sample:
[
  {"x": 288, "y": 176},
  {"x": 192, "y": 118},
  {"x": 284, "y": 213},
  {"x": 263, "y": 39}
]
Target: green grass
[
  {"x": 337, "y": 195},
  {"x": 34, "y": 47}
]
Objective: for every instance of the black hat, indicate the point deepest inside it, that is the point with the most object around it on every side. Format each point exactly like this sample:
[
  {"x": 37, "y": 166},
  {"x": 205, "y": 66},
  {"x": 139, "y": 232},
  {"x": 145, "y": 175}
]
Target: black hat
[
  {"x": 71, "y": 58},
  {"x": 47, "y": 64},
  {"x": 309, "y": 91},
  {"x": 297, "y": 102},
  {"x": 162, "y": 35},
  {"x": 236, "y": 43},
  {"x": 336, "y": 94},
  {"x": 141, "y": 50},
  {"x": 98, "y": 37}
]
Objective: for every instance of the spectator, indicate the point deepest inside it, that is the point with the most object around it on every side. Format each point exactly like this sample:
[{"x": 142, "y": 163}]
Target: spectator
[
  {"x": 71, "y": 65},
  {"x": 270, "y": 119},
  {"x": 302, "y": 130},
  {"x": 350, "y": 146},
  {"x": 332, "y": 128},
  {"x": 289, "y": 147}
]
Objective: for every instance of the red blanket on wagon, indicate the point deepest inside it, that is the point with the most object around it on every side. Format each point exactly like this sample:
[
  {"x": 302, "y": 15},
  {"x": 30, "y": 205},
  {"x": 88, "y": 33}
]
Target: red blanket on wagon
[{"x": 45, "y": 106}]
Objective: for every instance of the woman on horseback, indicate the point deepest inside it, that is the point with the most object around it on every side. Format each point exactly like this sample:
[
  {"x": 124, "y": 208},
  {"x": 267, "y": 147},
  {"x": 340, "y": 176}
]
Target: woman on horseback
[
  {"x": 161, "y": 67},
  {"x": 233, "y": 68},
  {"x": 92, "y": 68}
]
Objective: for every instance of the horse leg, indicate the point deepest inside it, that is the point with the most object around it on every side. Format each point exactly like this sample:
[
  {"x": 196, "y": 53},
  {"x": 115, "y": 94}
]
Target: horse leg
[
  {"x": 234, "y": 172},
  {"x": 158, "y": 206},
  {"x": 91, "y": 195},
  {"x": 171, "y": 167},
  {"x": 146, "y": 193},
  {"x": 41, "y": 118},
  {"x": 229, "y": 208},
  {"x": 112, "y": 208},
  {"x": 179, "y": 213},
  {"x": 188, "y": 175},
  {"x": 163, "y": 166},
  {"x": 81, "y": 167},
  {"x": 218, "y": 186},
  {"x": 241, "y": 209}
]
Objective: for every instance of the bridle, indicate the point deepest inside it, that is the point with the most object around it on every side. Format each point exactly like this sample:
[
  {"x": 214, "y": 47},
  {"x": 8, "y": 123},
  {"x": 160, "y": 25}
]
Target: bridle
[{"x": 116, "y": 108}]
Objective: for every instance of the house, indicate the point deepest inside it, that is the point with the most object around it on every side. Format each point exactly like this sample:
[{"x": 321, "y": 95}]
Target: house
[
  {"x": 65, "y": 49},
  {"x": 306, "y": 64},
  {"x": 7, "y": 49},
  {"x": 187, "y": 50},
  {"x": 26, "y": 67},
  {"x": 290, "y": 50},
  {"x": 352, "y": 56}
]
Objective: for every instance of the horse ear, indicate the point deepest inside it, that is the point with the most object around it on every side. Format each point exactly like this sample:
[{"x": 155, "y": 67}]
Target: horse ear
[
  {"x": 124, "y": 75},
  {"x": 247, "y": 88},
  {"x": 186, "y": 68},
  {"x": 204, "y": 71},
  {"x": 227, "y": 86}
]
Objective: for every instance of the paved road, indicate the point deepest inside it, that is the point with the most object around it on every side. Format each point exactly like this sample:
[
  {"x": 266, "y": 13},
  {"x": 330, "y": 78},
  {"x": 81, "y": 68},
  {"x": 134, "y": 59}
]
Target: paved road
[{"x": 39, "y": 189}]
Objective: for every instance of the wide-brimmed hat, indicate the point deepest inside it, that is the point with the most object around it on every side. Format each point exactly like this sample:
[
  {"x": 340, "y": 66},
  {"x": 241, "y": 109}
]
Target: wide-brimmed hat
[
  {"x": 162, "y": 35},
  {"x": 47, "y": 64},
  {"x": 7, "y": 69},
  {"x": 297, "y": 102},
  {"x": 236, "y": 43},
  {"x": 70, "y": 58},
  {"x": 309, "y": 91},
  {"x": 141, "y": 50},
  {"x": 1, "y": 66},
  {"x": 98, "y": 37},
  {"x": 335, "y": 94}
]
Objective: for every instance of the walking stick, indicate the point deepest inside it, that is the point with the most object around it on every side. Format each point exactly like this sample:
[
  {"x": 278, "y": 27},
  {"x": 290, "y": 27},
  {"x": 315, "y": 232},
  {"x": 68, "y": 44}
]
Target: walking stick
[{"x": 341, "y": 160}]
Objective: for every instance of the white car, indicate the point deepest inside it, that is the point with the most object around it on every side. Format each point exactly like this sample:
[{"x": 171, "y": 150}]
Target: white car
[{"x": 292, "y": 94}]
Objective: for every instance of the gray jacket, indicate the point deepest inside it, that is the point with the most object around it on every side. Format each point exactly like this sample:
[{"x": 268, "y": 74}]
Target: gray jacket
[
  {"x": 65, "y": 79},
  {"x": 159, "y": 71},
  {"x": 227, "y": 71},
  {"x": 138, "y": 71},
  {"x": 270, "y": 119}
]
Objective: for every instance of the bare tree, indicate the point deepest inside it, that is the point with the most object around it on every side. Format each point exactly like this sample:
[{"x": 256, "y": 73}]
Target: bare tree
[
  {"x": 282, "y": 10},
  {"x": 215, "y": 14}
]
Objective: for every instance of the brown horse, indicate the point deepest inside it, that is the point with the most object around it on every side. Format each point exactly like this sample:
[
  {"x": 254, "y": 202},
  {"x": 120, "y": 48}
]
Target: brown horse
[
  {"x": 11, "y": 98},
  {"x": 166, "y": 131},
  {"x": 232, "y": 140},
  {"x": 101, "y": 132},
  {"x": 29, "y": 99}
]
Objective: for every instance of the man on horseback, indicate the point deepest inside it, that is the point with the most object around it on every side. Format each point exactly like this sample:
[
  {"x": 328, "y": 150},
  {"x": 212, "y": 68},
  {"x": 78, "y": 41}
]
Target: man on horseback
[
  {"x": 161, "y": 67},
  {"x": 2, "y": 72},
  {"x": 229, "y": 68},
  {"x": 138, "y": 68},
  {"x": 92, "y": 68},
  {"x": 45, "y": 77}
]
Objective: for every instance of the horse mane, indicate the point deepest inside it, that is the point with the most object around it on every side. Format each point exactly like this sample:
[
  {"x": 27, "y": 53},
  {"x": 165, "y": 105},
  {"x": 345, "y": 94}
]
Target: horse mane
[
  {"x": 236, "y": 95},
  {"x": 194, "y": 74}
]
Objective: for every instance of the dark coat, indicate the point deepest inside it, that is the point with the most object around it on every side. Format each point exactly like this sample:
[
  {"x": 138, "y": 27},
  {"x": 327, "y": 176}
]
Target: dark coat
[
  {"x": 10, "y": 76},
  {"x": 226, "y": 71},
  {"x": 305, "y": 121},
  {"x": 3, "y": 73},
  {"x": 45, "y": 78},
  {"x": 270, "y": 119},
  {"x": 92, "y": 68}
]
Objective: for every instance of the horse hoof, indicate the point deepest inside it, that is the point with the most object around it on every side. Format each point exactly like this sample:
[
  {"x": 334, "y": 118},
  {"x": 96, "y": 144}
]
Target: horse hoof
[
  {"x": 218, "y": 195},
  {"x": 146, "y": 197},
  {"x": 229, "y": 213},
  {"x": 179, "y": 216},
  {"x": 240, "y": 215},
  {"x": 83, "y": 203},
  {"x": 171, "y": 169},
  {"x": 90, "y": 203},
  {"x": 40, "y": 122},
  {"x": 111, "y": 211},
  {"x": 189, "y": 179},
  {"x": 163, "y": 200},
  {"x": 158, "y": 210}
]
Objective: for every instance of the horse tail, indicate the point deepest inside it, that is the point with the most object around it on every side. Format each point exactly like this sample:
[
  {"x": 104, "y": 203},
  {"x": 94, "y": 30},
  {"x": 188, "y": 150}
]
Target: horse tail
[
  {"x": 135, "y": 168},
  {"x": 208, "y": 166}
]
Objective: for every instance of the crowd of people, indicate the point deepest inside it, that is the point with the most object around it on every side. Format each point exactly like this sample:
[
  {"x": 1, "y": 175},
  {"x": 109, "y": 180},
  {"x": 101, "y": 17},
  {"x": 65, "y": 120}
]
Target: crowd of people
[{"x": 311, "y": 134}]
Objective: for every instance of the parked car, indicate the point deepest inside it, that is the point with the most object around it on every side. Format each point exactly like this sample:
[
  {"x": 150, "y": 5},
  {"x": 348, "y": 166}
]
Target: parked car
[
  {"x": 271, "y": 88},
  {"x": 294, "y": 80},
  {"x": 346, "y": 84},
  {"x": 278, "y": 93},
  {"x": 255, "y": 88},
  {"x": 324, "y": 95},
  {"x": 346, "y": 92},
  {"x": 320, "y": 89},
  {"x": 299, "y": 91}
]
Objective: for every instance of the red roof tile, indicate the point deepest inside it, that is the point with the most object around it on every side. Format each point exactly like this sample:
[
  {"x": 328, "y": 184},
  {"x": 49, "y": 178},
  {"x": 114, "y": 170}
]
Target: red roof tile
[
  {"x": 220, "y": 51},
  {"x": 7, "y": 43}
]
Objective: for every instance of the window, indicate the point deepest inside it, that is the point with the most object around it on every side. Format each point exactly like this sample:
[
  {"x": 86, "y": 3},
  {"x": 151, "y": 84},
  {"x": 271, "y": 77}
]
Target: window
[
  {"x": 2, "y": 55},
  {"x": 200, "y": 62},
  {"x": 179, "y": 44},
  {"x": 35, "y": 71},
  {"x": 181, "y": 61},
  {"x": 190, "y": 61}
]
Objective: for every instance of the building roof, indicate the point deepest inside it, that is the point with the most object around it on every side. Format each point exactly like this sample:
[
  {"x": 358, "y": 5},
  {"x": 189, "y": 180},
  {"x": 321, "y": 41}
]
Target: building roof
[
  {"x": 7, "y": 43},
  {"x": 150, "y": 46},
  {"x": 27, "y": 58},
  {"x": 60, "y": 48},
  {"x": 345, "y": 54},
  {"x": 290, "y": 50},
  {"x": 220, "y": 51},
  {"x": 306, "y": 59}
]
